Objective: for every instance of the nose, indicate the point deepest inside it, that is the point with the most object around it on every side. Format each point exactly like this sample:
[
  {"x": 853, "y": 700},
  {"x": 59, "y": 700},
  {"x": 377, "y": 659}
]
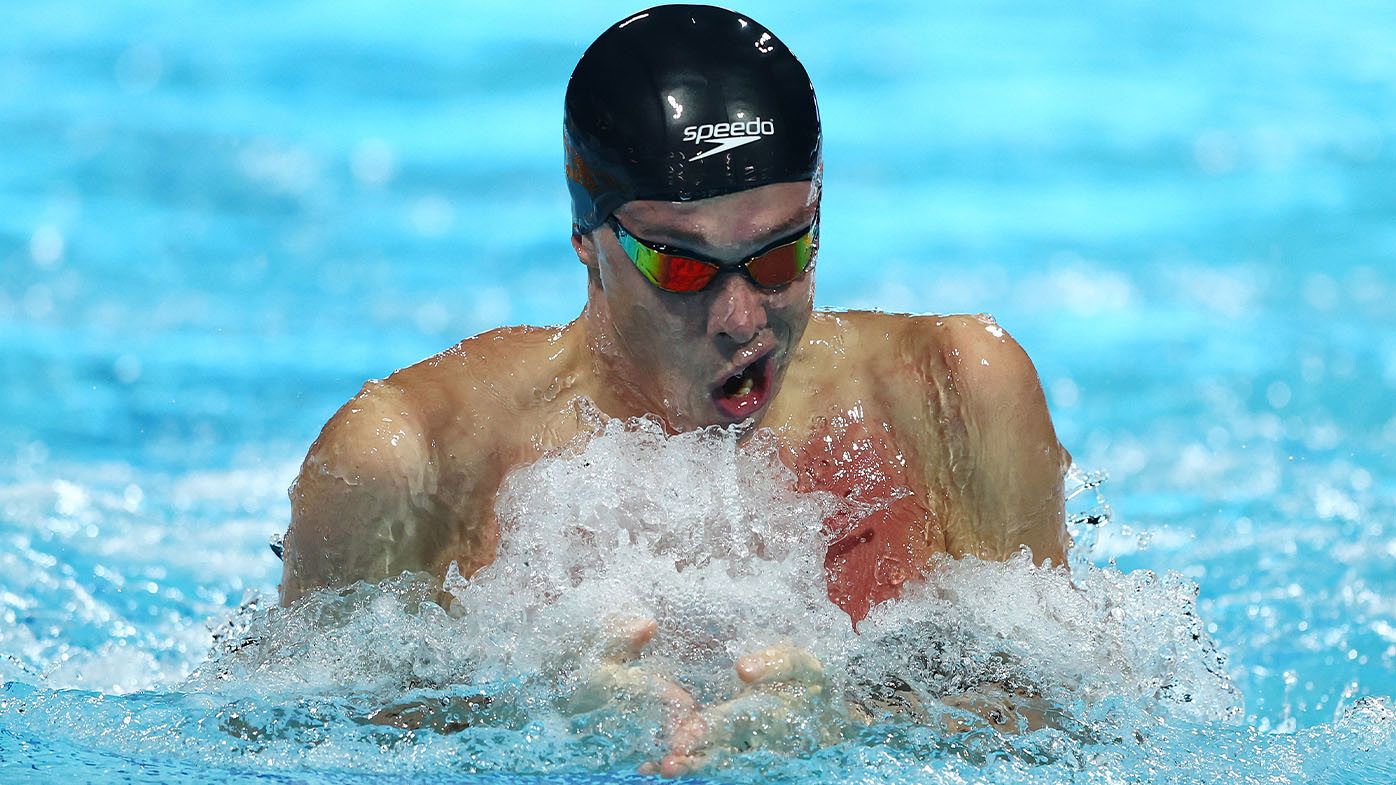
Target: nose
[{"x": 737, "y": 312}]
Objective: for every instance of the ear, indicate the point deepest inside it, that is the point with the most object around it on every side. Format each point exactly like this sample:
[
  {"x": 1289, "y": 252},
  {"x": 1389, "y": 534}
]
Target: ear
[{"x": 585, "y": 246}]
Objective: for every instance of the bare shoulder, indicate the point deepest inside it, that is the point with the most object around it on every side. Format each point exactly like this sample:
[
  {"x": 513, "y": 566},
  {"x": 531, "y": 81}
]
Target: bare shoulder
[
  {"x": 376, "y": 434},
  {"x": 460, "y": 393},
  {"x": 364, "y": 480},
  {"x": 376, "y": 493},
  {"x": 982, "y": 359},
  {"x": 386, "y": 430},
  {"x": 991, "y": 371},
  {"x": 991, "y": 397},
  {"x": 389, "y": 433},
  {"x": 983, "y": 362},
  {"x": 497, "y": 366}
]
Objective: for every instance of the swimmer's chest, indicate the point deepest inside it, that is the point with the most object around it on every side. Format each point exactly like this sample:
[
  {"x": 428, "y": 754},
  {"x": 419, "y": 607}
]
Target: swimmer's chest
[{"x": 886, "y": 528}]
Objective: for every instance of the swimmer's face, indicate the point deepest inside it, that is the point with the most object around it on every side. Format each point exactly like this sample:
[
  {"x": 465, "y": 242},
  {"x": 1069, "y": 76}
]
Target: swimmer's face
[{"x": 715, "y": 356}]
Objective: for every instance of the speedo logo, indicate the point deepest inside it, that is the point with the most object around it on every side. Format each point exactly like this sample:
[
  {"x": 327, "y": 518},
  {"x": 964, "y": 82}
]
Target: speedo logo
[{"x": 727, "y": 135}]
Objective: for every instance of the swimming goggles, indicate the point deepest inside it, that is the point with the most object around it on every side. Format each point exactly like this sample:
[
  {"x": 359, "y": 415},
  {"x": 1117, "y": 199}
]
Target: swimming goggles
[{"x": 676, "y": 270}]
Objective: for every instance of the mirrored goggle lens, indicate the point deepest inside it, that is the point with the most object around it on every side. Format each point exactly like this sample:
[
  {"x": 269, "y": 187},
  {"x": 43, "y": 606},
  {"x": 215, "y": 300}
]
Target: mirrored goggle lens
[
  {"x": 780, "y": 266},
  {"x": 668, "y": 272}
]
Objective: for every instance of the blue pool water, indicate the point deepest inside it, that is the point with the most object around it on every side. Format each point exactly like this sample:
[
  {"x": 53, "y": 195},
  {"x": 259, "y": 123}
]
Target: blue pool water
[{"x": 217, "y": 220}]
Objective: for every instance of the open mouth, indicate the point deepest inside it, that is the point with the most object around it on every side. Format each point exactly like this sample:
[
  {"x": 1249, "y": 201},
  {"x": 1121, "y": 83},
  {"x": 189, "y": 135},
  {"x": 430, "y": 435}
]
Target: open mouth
[{"x": 742, "y": 394}]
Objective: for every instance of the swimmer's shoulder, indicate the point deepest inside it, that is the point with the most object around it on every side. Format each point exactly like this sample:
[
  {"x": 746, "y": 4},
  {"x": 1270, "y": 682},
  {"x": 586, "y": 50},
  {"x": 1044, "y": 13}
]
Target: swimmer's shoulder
[
  {"x": 866, "y": 353},
  {"x": 987, "y": 376},
  {"x": 965, "y": 344},
  {"x": 879, "y": 338},
  {"x": 1016, "y": 463},
  {"x": 986, "y": 367},
  {"x": 375, "y": 439},
  {"x": 393, "y": 425},
  {"x": 381, "y": 489},
  {"x": 988, "y": 420},
  {"x": 977, "y": 366},
  {"x": 359, "y": 488},
  {"x": 488, "y": 377},
  {"x": 968, "y": 360}
]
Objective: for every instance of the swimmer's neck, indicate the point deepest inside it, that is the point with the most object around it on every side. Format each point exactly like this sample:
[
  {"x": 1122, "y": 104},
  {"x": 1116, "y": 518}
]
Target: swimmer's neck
[{"x": 612, "y": 388}]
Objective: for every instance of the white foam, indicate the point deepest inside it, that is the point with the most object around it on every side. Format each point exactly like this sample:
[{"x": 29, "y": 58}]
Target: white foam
[{"x": 709, "y": 538}]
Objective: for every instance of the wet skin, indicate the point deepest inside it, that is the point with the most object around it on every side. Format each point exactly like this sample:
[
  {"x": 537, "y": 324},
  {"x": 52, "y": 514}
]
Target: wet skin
[{"x": 938, "y": 422}]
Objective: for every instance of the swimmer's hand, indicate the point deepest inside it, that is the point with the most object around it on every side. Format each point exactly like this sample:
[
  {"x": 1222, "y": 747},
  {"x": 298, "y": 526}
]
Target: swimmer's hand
[
  {"x": 618, "y": 675},
  {"x": 784, "y": 705}
]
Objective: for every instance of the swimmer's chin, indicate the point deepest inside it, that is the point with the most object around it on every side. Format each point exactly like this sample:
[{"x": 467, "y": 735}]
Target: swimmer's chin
[
  {"x": 743, "y": 427},
  {"x": 671, "y": 421},
  {"x": 712, "y": 418}
]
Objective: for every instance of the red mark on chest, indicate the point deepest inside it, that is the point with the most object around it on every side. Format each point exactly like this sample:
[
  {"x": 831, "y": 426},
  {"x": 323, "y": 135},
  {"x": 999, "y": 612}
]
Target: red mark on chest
[{"x": 878, "y": 539}]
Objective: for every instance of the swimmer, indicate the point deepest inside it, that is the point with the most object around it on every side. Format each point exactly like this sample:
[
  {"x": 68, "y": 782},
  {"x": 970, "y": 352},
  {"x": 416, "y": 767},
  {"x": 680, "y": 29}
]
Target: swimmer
[{"x": 693, "y": 159}]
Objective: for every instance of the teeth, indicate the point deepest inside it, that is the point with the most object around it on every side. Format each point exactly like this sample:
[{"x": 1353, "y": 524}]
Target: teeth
[{"x": 745, "y": 387}]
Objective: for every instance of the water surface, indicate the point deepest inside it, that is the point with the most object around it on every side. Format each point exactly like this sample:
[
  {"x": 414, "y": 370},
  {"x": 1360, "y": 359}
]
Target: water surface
[{"x": 217, "y": 222}]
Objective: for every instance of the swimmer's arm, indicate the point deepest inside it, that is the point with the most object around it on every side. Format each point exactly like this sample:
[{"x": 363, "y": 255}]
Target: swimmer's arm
[
  {"x": 1014, "y": 465},
  {"x": 362, "y": 506}
]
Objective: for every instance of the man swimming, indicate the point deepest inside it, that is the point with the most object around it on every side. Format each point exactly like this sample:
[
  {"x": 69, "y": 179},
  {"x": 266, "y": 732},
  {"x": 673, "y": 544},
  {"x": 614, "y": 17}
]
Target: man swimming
[{"x": 693, "y": 159}]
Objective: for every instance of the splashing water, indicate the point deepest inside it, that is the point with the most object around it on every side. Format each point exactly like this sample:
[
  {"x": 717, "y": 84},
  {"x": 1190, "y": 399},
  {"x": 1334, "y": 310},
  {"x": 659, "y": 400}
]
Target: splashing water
[
  {"x": 704, "y": 535},
  {"x": 207, "y": 245}
]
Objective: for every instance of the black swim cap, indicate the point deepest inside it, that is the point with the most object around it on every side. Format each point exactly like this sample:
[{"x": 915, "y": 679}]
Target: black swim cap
[{"x": 685, "y": 102}]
